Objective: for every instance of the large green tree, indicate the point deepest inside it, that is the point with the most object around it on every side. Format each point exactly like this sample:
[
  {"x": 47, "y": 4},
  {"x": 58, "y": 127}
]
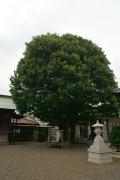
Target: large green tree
[{"x": 63, "y": 80}]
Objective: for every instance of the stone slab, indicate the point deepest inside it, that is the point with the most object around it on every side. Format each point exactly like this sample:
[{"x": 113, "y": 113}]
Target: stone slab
[{"x": 100, "y": 158}]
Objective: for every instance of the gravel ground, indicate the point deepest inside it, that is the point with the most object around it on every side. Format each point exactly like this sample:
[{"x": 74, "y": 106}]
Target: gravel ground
[{"x": 36, "y": 162}]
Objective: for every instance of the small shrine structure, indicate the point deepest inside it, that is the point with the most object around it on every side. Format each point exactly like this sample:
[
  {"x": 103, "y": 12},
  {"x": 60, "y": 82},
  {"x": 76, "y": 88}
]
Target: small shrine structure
[{"x": 55, "y": 137}]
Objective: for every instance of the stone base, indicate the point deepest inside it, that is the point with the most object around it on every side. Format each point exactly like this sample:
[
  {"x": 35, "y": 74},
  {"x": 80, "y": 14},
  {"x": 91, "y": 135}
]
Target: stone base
[{"x": 100, "y": 158}]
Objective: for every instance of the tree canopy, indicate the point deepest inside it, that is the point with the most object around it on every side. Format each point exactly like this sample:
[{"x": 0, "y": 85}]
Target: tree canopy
[{"x": 64, "y": 79}]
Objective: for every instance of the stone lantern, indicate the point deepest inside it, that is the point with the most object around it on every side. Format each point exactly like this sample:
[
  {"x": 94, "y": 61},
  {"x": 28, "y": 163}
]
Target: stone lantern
[{"x": 99, "y": 152}]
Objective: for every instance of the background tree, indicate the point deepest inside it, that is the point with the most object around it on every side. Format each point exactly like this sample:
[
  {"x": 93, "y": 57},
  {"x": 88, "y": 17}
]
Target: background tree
[
  {"x": 63, "y": 79},
  {"x": 114, "y": 137}
]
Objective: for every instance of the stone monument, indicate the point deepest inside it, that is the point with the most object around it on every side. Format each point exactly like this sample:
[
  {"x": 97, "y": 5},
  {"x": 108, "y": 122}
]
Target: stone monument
[{"x": 99, "y": 152}]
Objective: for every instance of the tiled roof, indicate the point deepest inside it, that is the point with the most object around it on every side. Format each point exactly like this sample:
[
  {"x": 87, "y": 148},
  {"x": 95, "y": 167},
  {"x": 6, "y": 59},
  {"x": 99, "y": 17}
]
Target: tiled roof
[
  {"x": 112, "y": 120},
  {"x": 26, "y": 121},
  {"x": 116, "y": 91}
]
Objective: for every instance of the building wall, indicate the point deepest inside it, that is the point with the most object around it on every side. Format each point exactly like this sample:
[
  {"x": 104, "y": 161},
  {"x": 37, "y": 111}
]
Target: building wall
[
  {"x": 5, "y": 120},
  {"x": 6, "y": 102}
]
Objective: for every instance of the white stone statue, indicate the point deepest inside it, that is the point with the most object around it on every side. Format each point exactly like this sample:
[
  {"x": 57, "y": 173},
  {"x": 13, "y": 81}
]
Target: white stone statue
[{"x": 99, "y": 152}]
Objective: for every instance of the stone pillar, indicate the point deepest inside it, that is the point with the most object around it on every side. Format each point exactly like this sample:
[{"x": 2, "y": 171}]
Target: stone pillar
[
  {"x": 105, "y": 135},
  {"x": 77, "y": 131},
  {"x": 89, "y": 131}
]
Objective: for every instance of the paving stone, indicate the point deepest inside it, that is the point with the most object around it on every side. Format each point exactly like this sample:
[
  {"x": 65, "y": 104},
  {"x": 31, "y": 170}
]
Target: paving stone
[{"x": 37, "y": 162}]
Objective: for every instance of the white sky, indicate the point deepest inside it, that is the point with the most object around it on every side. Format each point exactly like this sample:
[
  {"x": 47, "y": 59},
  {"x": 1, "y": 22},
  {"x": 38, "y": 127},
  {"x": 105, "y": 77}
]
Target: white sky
[{"x": 97, "y": 20}]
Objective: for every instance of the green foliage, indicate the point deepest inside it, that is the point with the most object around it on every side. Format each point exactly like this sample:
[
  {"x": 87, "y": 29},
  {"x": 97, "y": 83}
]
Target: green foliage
[
  {"x": 114, "y": 137},
  {"x": 61, "y": 79}
]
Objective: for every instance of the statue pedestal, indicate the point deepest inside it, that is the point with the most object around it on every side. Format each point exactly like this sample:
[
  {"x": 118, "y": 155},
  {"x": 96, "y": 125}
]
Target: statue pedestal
[{"x": 99, "y": 152}]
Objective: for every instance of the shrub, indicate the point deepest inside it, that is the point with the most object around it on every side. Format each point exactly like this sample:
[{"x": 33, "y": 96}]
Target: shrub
[{"x": 114, "y": 137}]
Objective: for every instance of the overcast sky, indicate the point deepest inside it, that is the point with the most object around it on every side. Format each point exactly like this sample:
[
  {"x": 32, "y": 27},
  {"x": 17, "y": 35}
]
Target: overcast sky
[{"x": 97, "y": 20}]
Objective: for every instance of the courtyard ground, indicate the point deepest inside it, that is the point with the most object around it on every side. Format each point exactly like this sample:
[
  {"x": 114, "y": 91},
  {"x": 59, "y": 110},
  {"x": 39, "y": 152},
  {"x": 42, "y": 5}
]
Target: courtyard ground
[{"x": 37, "y": 162}]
